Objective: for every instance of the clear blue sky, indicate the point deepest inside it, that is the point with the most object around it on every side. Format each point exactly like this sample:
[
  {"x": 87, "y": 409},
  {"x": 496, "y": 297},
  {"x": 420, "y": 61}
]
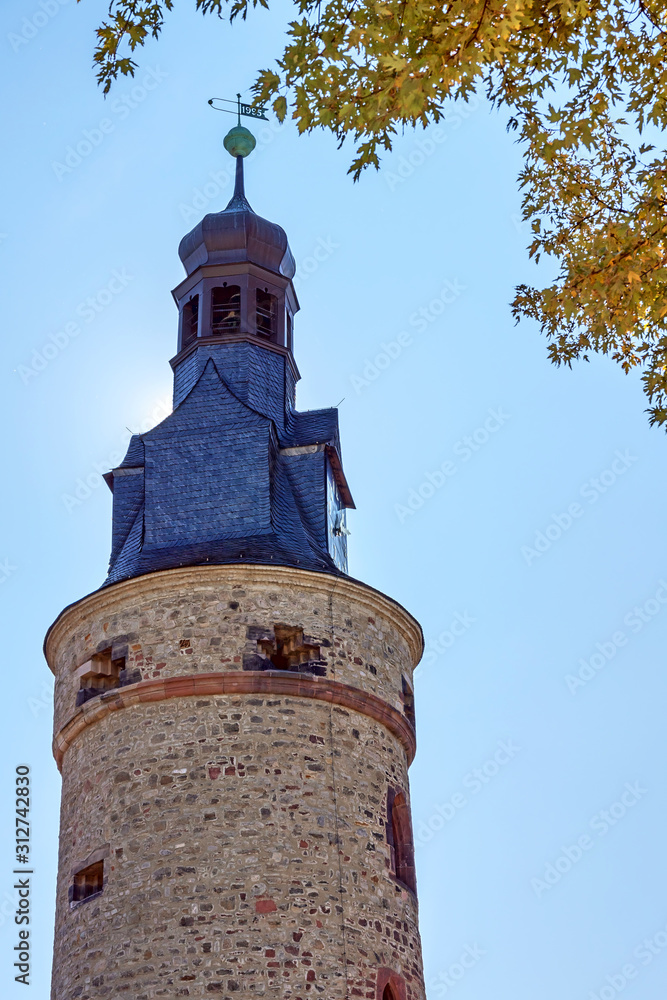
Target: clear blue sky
[{"x": 436, "y": 230}]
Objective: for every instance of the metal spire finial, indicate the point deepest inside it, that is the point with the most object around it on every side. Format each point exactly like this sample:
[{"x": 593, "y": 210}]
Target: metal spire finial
[
  {"x": 239, "y": 202},
  {"x": 239, "y": 143}
]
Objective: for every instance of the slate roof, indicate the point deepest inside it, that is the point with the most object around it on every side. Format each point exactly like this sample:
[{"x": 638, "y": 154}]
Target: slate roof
[
  {"x": 312, "y": 426},
  {"x": 212, "y": 484}
]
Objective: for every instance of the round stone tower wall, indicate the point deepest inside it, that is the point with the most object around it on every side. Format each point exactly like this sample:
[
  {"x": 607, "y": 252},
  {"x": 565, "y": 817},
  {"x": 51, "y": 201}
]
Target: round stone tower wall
[{"x": 231, "y": 791}]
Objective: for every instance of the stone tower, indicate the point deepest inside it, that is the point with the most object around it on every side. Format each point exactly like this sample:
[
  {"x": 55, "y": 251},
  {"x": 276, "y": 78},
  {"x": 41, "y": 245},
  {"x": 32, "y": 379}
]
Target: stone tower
[{"x": 233, "y": 712}]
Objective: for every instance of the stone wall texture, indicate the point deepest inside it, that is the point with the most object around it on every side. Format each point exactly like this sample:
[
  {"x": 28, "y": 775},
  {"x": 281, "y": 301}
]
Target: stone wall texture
[{"x": 241, "y": 813}]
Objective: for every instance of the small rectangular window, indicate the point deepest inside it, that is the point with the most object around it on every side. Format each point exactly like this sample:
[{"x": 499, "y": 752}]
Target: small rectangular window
[
  {"x": 266, "y": 312},
  {"x": 87, "y": 882}
]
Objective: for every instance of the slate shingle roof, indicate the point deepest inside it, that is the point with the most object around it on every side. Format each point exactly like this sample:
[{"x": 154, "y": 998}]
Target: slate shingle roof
[
  {"x": 312, "y": 426},
  {"x": 212, "y": 484}
]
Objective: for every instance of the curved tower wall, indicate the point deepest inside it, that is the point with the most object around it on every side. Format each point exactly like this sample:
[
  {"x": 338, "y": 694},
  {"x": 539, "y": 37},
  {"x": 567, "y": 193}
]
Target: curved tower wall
[{"x": 241, "y": 812}]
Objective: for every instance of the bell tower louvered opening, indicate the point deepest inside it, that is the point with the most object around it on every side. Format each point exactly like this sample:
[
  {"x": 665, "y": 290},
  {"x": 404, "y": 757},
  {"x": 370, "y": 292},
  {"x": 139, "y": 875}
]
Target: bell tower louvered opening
[
  {"x": 190, "y": 321},
  {"x": 266, "y": 312},
  {"x": 225, "y": 310}
]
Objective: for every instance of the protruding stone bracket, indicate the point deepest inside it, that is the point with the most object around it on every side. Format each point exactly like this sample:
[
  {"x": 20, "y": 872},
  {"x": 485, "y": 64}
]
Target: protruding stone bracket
[
  {"x": 284, "y": 648},
  {"x": 234, "y": 682}
]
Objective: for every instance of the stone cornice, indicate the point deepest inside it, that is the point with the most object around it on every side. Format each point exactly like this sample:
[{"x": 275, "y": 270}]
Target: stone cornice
[
  {"x": 103, "y": 602},
  {"x": 235, "y": 682}
]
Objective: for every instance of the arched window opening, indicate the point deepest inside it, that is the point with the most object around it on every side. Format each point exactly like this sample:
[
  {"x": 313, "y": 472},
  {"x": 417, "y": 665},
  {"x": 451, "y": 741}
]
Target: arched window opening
[
  {"x": 225, "y": 310},
  {"x": 190, "y": 321},
  {"x": 390, "y": 985},
  {"x": 265, "y": 306},
  {"x": 288, "y": 330},
  {"x": 399, "y": 831}
]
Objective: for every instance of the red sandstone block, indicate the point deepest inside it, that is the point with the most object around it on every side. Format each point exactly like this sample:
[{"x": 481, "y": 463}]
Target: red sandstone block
[
  {"x": 179, "y": 686},
  {"x": 152, "y": 691},
  {"x": 265, "y": 906}
]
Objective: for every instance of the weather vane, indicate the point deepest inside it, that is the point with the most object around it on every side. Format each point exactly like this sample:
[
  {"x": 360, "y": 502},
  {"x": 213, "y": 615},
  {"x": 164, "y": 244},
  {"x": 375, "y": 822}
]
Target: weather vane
[{"x": 241, "y": 109}]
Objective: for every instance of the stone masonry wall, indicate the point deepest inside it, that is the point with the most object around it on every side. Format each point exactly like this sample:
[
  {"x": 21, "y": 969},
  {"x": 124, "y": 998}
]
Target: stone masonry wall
[
  {"x": 244, "y": 837},
  {"x": 195, "y": 620}
]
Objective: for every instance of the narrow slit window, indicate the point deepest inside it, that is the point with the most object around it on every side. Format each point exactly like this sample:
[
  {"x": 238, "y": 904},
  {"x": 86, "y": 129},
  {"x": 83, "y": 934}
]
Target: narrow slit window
[
  {"x": 87, "y": 882},
  {"x": 399, "y": 833},
  {"x": 266, "y": 312},
  {"x": 190, "y": 321},
  {"x": 288, "y": 330},
  {"x": 408, "y": 702},
  {"x": 388, "y": 993},
  {"x": 225, "y": 310}
]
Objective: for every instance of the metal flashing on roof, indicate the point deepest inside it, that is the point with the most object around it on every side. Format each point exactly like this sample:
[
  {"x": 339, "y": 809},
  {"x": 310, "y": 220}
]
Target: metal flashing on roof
[
  {"x": 339, "y": 477},
  {"x": 304, "y": 449}
]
